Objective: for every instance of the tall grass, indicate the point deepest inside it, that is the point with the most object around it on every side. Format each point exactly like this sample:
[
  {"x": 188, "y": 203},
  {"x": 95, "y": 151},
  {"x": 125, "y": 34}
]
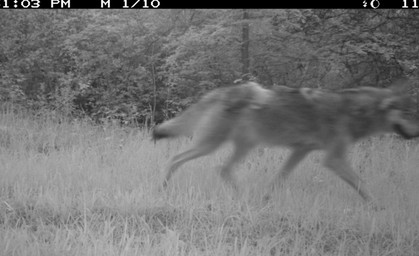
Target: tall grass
[{"x": 71, "y": 188}]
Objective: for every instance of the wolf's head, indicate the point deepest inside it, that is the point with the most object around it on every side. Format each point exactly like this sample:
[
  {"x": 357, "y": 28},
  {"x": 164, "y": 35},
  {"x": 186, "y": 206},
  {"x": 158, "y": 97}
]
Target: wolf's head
[
  {"x": 397, "y": 109},
  {"x": 397, "y": 105},
  {"x": 380, "y": 110}
]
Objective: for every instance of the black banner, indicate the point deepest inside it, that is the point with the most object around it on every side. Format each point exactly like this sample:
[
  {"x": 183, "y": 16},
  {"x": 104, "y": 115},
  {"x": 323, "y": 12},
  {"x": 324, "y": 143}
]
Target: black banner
[{"x": 189, "y": 4}]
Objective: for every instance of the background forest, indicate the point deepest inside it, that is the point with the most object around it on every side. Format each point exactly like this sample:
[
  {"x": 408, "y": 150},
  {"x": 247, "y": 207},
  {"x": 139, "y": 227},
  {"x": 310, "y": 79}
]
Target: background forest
[{"x": 141, "y": 67}]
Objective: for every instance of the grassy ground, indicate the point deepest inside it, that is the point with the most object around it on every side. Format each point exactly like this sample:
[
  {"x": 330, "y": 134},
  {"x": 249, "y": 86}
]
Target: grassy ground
[{"x": 76, "y": 189}]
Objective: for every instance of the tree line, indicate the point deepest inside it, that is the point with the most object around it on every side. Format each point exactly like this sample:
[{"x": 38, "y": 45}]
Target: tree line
[{"x": 143, "y": 66}]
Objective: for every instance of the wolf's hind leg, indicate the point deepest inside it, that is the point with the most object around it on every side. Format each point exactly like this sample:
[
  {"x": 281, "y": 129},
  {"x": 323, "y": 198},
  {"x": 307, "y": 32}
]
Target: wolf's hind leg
[
  {"x": 196, "y": 151},
  {"x": 297, "y": 155},
  {"x": 240, "y": 150}
]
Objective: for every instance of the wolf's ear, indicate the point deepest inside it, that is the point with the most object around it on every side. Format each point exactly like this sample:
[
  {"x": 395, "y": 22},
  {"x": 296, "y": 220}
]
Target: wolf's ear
[
  {"x": 400, "y": 102},
  {"x": 401, "y": 86},
  {"x": 400, "y": 89},
  {"x": 388, "y": 103}
]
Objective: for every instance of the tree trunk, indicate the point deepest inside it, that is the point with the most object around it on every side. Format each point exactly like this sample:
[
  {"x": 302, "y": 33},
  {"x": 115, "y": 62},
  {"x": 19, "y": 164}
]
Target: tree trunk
[
  {"x": 245, "y": 43},
  {"x": 153, "y": 74}
]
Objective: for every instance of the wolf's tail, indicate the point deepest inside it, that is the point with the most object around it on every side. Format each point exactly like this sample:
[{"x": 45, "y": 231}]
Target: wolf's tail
[
  {"x": 185, "y": 123},
  {"x": 224, "y": 101}
]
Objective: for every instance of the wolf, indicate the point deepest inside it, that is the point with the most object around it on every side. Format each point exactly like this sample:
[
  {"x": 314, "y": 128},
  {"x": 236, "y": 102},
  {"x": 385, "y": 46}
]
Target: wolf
[{"x": 302, "y": 120}]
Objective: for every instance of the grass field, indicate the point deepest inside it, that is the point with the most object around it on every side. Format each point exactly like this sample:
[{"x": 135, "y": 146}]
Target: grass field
[{"x": 77, "y": 189}]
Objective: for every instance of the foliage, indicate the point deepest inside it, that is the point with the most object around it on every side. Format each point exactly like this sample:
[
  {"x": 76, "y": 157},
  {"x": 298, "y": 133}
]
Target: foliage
[{"x": 141, "y": 67}]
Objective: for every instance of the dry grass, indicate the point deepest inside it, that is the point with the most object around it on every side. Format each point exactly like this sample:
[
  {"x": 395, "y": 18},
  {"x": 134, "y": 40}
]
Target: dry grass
[{"x": 75, "y": 189}]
